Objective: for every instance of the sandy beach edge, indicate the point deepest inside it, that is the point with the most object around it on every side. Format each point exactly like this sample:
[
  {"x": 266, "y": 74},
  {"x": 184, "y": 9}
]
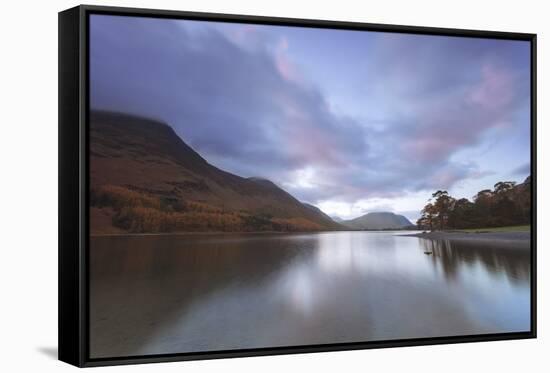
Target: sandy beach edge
[{"x": 511, "y": 240}]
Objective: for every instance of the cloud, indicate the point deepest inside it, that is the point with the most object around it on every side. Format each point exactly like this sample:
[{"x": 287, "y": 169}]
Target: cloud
[
  {"x": 524, "y": 169},
  {"x": 236, "y": 94},
  {"x": 244, "y": 109},
  {"x": 223, "y": 99}
]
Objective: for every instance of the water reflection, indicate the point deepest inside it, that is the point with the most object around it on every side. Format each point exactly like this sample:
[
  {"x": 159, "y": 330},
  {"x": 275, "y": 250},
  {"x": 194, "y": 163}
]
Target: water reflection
[
  {"x": 165, "y": 294},
  {"x": 451, "y": 255}
]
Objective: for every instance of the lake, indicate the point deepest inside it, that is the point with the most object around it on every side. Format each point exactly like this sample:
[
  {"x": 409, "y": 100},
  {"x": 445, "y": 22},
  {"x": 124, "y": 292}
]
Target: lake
[{"x": 187, "y": 293}]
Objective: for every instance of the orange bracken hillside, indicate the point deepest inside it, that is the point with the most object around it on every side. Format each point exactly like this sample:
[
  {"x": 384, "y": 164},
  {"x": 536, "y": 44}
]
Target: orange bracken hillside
[{"x": 145, "y": 179}]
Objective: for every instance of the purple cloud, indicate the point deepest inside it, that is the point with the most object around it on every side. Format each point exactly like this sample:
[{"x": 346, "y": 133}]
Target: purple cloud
[
  {"x": 236, "y": 94},
  {"x": 522, "y": 170}
]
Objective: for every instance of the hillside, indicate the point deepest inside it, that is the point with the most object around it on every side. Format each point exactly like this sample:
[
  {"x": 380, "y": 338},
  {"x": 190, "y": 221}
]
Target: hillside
[
  {"x": 145, "y": 178},
  {"x": 378, "y": 220},
  {"x": 317, "y": 210}
]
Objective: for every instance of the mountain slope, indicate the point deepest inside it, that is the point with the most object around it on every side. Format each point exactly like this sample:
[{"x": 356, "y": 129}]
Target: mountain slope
[
  {"x": 144, "y": 178},
  {"x": 378, "y": 220},
  {"x": 317, "y": 210}
]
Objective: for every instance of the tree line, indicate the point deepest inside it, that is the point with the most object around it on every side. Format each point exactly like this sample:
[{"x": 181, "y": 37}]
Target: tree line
[{"x": 506, "y": 204}]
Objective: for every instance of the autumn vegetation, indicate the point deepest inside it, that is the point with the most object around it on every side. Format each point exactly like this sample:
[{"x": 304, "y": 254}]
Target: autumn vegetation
[
  {"x": 507, "y": 204},
  {"x": 140, "y": 212}
]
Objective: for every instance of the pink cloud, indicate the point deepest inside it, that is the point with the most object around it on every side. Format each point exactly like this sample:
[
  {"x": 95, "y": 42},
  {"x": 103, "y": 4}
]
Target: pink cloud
[
  {"x": 495, "y": 90},
  {"x": 455, "y": 121},
  {"x": 429, "y": 147},
  {"x": 243, "y": 34},
  {"x": 285, "y": 67}
]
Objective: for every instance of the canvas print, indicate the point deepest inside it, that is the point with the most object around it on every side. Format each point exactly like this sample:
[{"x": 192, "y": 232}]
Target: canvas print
[{"x": 261, "y": 186}]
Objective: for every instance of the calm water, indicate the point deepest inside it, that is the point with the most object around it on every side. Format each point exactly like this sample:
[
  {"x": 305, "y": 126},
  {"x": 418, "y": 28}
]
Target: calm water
[{"x": 166, "y": 294}]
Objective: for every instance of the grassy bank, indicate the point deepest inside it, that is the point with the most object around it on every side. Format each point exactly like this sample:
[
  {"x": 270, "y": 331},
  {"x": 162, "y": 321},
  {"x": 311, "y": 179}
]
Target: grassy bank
[{"x": 515, "y": 228}]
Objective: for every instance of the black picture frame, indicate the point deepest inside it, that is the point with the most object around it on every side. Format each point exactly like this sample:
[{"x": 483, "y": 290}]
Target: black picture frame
[{"x": 73, "y": 184}]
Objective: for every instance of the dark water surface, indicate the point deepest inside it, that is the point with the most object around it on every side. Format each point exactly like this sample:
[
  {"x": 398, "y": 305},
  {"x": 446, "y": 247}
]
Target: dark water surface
[{"x": 168, "y": 294}]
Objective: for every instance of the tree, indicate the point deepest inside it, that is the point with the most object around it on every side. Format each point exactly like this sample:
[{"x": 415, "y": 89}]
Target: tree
[
  {"x": 462, "y": 214},
  {"x": 428, "y": 217},
  {"x": 507, "y": 204},
  {"x": 443, "y": 205},
  {"x": 503, "y": 187}
]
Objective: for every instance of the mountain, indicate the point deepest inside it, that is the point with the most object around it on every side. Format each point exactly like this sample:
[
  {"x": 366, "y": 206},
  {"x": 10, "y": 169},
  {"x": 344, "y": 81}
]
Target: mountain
[
  {"x": 145, "y": 178},
  {"x": 317, "y": 210},
  {"x": 378, "y": 220}
]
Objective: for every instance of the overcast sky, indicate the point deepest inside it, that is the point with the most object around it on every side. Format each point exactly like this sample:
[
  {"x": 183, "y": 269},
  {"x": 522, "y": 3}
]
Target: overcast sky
[{"x": 349, "y": 121}]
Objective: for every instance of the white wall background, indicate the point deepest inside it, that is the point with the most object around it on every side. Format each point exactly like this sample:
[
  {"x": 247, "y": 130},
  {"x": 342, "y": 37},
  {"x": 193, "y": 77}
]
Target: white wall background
[{"x": 28, "y": 184}]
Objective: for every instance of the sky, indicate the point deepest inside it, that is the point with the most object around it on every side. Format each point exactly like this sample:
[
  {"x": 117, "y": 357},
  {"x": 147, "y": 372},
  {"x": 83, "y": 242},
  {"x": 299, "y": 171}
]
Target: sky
[{"x": 350, "y": 121}]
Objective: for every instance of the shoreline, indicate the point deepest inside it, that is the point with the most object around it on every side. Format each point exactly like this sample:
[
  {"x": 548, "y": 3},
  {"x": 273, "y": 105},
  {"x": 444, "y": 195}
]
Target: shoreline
[
  {"x": 213, "y": 233},
  {"x": 504, "y": 240},
  {"x": 511, "y": 240},
  {"x": 219, "y": 233}
]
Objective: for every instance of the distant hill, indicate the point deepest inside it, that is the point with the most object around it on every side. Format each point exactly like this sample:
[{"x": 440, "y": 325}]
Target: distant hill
[
  {"x": 378, "y": 220},
  {"x": 145, "y": 178}
]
